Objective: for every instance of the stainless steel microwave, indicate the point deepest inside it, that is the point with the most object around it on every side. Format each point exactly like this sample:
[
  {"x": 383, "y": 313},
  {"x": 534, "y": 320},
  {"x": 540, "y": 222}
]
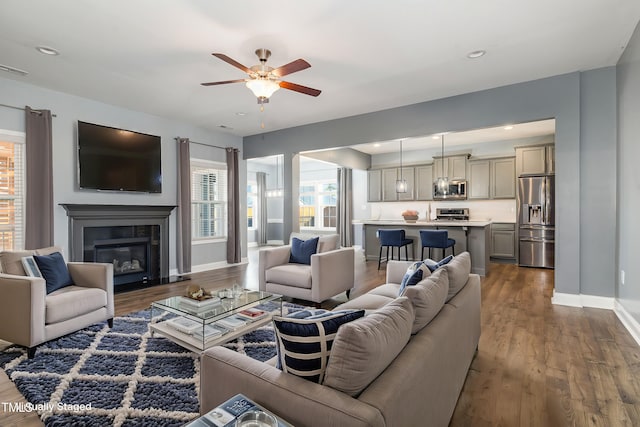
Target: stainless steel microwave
[{"x": 457, "y": 190}]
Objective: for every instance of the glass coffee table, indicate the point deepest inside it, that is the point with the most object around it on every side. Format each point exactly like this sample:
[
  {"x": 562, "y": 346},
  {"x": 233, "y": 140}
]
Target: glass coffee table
[{"x": 198, "y": 326}]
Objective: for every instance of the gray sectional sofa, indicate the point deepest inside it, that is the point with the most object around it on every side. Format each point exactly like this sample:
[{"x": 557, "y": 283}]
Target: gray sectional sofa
[{"x": 425, "y": 371}]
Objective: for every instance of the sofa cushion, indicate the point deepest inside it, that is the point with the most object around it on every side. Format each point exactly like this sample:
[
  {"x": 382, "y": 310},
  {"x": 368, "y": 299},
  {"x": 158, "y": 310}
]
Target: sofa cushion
[
  {"x": 11, "y": 261},
  {"x": 415, "y": 273},
  {"x": 368, "y": 301},
  {"x": 297, "y": 275},
  {"x": 364, "y": 348},
  {"x": 458, "y": 271},
  {"x": 301, "y": 250},
  {"x": 428, "y": 297},
  {"x": 304, "y": 345},
  {"x": 73, "y": 301},
  {"x": 389, "y": 290},
  {"x": 54, "y": 271},
  {"x": 434, "y": 265}
]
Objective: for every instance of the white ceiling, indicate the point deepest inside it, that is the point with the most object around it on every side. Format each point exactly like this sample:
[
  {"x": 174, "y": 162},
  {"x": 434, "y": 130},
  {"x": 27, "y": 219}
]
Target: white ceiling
[{"x": 152, "y": 55}]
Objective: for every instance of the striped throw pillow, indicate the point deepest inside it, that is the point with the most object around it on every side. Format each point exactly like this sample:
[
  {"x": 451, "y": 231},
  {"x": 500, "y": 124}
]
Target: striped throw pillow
[{"x": 304, "y": 341}]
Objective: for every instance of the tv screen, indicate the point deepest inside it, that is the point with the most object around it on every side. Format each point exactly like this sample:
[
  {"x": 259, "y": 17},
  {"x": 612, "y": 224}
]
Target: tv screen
[{"x": 118, "y": 160}]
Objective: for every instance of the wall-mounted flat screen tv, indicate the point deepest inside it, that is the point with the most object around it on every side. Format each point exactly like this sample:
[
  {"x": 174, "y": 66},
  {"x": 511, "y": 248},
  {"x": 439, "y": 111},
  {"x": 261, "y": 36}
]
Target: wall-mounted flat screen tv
[{"x": 112, "y": 159}]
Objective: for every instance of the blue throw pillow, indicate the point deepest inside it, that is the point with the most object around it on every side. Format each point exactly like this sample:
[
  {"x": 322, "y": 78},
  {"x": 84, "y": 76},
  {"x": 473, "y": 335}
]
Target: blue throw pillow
[
  {"x": 434, "y": 265},
  {"x": 415, "y": 273},
  {"x": 304, "y": 341},
  {"x": 301, "y": 250},
  {"x": 54, "y": 271}
]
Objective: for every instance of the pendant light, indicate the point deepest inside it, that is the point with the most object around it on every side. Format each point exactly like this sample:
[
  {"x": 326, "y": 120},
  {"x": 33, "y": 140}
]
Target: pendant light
[
  {"x": 277, "y": 192},
  {"x": 401, "y": 184},
  {"x": 443, "y": 181}
]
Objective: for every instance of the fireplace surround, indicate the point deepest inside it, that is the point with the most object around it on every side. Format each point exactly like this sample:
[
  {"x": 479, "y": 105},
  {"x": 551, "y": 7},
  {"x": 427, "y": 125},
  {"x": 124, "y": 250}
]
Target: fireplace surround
[{"x": 134, "y": 238}]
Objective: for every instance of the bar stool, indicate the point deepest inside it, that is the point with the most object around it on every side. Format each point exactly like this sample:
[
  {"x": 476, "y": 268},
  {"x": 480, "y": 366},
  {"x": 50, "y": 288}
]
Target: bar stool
[
  {"x": 394, "y": 238},
  {"x": 436, "y": 239}
]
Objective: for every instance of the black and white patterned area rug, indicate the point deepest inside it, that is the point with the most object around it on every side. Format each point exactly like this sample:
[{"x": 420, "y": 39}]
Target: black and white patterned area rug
[{"x": 120, "y": 376}]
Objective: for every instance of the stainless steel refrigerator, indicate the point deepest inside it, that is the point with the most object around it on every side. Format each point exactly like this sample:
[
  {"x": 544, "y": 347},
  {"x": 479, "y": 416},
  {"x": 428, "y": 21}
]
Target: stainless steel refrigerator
[{"x": 536, "y": 196}]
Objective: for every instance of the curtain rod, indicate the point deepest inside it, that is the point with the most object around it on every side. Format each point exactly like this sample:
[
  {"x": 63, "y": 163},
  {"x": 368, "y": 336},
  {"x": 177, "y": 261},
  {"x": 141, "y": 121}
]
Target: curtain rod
[
  {"x": 201, "y": 143},
  {"x": 22, "y": 108}
]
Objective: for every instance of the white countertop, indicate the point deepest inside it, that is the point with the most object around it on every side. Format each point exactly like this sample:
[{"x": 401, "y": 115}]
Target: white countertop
[{"x": 423, "y": 222}]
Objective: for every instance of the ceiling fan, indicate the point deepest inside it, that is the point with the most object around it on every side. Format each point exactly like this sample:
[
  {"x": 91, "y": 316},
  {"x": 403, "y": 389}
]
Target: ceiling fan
[{"x": 263, "y": 80}]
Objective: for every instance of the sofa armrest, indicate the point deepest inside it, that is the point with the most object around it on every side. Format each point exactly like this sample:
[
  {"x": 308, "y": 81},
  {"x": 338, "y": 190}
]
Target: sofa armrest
[
  {"x": 225, "y": 373},
  {"x": 270, "y": 257},
  {"x": 22, "y": 309},
  {"x": 332, "y": 272},
  {"x": 94, "y": 275},
  {"x": 396, "y": 270}
]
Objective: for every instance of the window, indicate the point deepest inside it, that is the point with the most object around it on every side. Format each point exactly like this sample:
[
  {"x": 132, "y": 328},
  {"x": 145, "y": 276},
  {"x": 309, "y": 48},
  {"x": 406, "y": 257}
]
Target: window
[
  {"x": 252, "y": 200},
  {"x": 11, "y": 191},
  {"x": 208, "y": 200},
  {"x": 318, "y": 204}
]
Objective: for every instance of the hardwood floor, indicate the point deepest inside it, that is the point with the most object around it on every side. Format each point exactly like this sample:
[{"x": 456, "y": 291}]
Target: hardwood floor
[{"x": 537, "y": 364}]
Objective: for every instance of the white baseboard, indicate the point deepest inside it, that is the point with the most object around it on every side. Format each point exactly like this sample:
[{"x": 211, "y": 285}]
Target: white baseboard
[
  {"x": 583, "y": 300},
  {"x": 608, "y": 303},
  {"x": 628, "y": 321},
  {"x": 252, "y": 244}
]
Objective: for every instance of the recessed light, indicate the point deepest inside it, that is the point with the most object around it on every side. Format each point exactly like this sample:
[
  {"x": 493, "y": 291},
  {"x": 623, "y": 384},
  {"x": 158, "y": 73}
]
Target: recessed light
[
  {"x": 377, "y": 144},
  {"x": 240, "y": 113},
  {"x": 435, "y": 137},
  {"x": 476, "y": 54},
  {"x": 47, "y": 50},
  {"x": 508, "y": 127}
]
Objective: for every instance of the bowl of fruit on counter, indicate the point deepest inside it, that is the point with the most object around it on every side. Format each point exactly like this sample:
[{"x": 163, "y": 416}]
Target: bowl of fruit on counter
[{"x": 410, "y": 216}]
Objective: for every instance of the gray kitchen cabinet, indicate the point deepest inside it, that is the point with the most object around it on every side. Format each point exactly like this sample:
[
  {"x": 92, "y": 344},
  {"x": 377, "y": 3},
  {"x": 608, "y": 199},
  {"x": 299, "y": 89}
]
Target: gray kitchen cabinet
[
  {"x": 389, "y": 177},
  {"x": 535, "y": 160},
  {"x": 503, "y": 178},
  {"x": 453, "y": 167},
  {"x": 424, "y": 182},
  {"x": 503, "y": 240},
  {"x": 479, "y": 179},
  {"x": 374, "y": 185}
]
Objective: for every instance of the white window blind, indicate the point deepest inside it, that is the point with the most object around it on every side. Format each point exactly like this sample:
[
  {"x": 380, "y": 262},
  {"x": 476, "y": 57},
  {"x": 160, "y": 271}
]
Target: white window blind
[
  {"x": 12, "y": 189},
  {"x": 208, "y": 200}
]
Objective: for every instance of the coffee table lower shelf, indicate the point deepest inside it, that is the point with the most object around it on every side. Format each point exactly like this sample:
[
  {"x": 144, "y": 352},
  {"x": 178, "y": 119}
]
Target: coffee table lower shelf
[{"x": 197, "y": 345}]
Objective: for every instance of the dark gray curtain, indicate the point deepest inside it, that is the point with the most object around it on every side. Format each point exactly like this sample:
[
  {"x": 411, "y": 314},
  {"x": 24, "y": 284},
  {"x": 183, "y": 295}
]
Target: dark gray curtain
[
  {"x": 233, "y": 211},
  {"x": 345, "y": 206},
  {"x": 39, "y": 188},
  {"x": 261, "y": 208},
  {"x": 184, "y": 206}
]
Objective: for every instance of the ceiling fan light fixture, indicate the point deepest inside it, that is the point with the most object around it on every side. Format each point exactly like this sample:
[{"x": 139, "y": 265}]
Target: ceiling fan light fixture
[{"x": 262, "y": 88}]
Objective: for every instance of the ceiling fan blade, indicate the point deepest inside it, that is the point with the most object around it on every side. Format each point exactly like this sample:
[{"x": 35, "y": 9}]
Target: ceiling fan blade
[
  {"x": 223, "y": 83},
  {"x": 291, "y": 67},
  {"x": 230, "y": 61},
  {"x": 299, "y": 88}
]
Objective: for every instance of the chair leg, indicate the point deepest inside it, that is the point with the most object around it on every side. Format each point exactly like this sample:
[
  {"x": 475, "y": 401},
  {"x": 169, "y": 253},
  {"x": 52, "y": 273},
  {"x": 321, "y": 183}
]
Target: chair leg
[
  {"x": 110, "y": 322},
  {"x": 379, "y": 257},
  {"x": 388, "y": 253},
  {"x": 31, "y": 352}
]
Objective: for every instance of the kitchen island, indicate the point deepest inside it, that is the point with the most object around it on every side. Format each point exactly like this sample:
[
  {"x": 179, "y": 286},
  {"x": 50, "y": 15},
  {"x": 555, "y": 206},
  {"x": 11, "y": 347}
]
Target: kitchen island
[{"x": 471, "y": 236}]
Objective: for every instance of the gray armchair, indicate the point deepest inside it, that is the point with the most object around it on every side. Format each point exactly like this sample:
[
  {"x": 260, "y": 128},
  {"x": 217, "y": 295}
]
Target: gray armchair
[
  {"x": 29, "y": 316},
  {"x": 330, "y": 273}
]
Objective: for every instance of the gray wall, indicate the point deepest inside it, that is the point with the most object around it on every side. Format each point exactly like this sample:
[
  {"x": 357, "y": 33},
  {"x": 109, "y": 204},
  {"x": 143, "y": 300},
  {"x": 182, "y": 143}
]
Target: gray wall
[
  {"x": 555, "y": 97},
  {"x": 345, "y": 157},
  {"x": 598, "y": 181},
  {"x": 69, "y": 109},
  {"x": 628, "y": 80}
]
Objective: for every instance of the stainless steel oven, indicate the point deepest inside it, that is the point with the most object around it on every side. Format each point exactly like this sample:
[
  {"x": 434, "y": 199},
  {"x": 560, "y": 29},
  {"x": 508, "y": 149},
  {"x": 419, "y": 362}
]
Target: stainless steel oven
[{"x": 456, "y": 190}]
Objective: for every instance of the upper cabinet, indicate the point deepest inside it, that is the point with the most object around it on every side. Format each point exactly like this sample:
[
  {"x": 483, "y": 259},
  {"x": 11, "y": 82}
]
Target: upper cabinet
[
  {"x": 492, "y": 178},
  {"x": 453, "y": 167},
  {"x": 389, "y": 178},
  {"x": 374, "y": 185},
  {"x": 535, "y": 160},
  {"x": 424, "y": 182}
]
